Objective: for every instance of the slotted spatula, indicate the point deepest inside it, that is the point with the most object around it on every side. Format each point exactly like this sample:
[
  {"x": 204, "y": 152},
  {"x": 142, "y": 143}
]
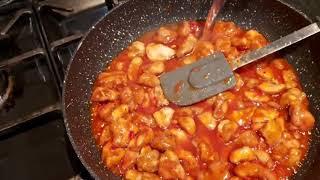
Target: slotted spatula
[{"x": 211, "y": 75}]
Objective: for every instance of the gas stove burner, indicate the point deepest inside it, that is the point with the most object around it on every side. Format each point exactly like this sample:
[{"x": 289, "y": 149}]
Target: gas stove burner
[
  {"x": 6, "y": 87},
  {"x": 5, "y": 2}
]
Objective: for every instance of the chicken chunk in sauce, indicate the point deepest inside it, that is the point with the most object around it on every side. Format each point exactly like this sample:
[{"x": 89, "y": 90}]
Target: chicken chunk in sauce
[{"x": 257, "y": 130}]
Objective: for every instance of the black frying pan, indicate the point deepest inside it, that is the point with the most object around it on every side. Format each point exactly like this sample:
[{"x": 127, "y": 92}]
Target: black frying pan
[{"x": 129, "y": 21}]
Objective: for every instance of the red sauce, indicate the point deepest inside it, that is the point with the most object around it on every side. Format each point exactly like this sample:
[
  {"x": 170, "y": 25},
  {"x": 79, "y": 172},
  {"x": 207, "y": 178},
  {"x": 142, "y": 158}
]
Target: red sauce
[{"x": 241, "y": 107}]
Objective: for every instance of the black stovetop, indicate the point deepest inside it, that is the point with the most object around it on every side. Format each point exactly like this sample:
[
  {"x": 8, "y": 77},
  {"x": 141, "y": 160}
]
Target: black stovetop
[{"x": 37, "y": 40}]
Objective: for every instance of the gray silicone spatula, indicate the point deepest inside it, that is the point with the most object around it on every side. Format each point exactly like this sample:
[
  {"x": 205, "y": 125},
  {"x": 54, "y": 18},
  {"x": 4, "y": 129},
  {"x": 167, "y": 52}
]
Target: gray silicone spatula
[{"x": 211, "y": 75}]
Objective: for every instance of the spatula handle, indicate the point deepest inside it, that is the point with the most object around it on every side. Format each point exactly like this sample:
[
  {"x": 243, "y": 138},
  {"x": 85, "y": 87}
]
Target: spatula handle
[{"x": 277, "y": 45}]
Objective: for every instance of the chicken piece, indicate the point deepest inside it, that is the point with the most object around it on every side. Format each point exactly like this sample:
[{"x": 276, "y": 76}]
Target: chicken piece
[
  {"x": 121, "y": 132},
  {"x": 242, "y": 116},
  {"x": 105, "y": 135},
  {"x": 279, "y": 63},
  {"x": 197, "y": 110},
  {"x": 203, "y": 49},
  {"x": 129, "y": 159},
  {"x": 188, "y": 124},
  {"x": 136, "y": 175},
  {"x": 108, "y": 74},
  {"x": 163, "y": 117},
  {"x": 106, "y": 110},
  {"x": 205, "y": 151},
  {"x": 189, "y": 178},
  {"x": 212, "y": 100},
  {"x": 235, "y": 178},
  {"x": 159, "y": 96},
  {"x": 301, "y": 117},
  {"x": 101, "y": 94},
  {"x": 112, "y": 157},
  {"x": 227, "y": 129},
  {"x": 232, "y": 54},
  {"x": 184, "y": 28},
  {"x": 239, "y": 83},
  {"x": 139, "y": 95},
  {"x": 255, "y": 97},
  {"x": 290, "y": 79},
  {"x": 208, "y": 120},
  {"x": 259, "y": 122},
  {"x": 242, "y": 154},
  {"x": 150, "y": 80},
  {"x": 189, "y": 162},
  {"x": 165, "y": 35},
  {"x": 273, "y": 130},
  {"x": 223, "y": 45},
  {"x": 187, "y": 46},
  {"x": 146, "y": 120},
  {"x": 184, "y": 111},
  {"x": 133, "y": 175},
  {"x": 220, "y": 108},
  {"x": 262, "y": 156},
  {"x": 119, "y": 111},
  {"x": 225, "y": 29},
  {"x": 189, "y": 111},
  {"x": 280, "y": 151},
  {"x": 226, "y": 96},
  {"x": 240, "y": 42},
  {"x": 159, "y": 52},
  {"x": 251, "y": 83},
  {"x": 256, "y": 39},
  {"x": 163, "y": 141},
  {"x": 179, "y": 134},
  {"x": 249, "y": 169},
  {"x": 133, "y": 69},
  {"x": 132, "y": 145},
  {"x": 274, "y": 104},
  {"x": 148, "y": 160},
  {"x": 150, "y": 176},
  {"x": 144, "y": 137},
  {"x": 248, "y": 138},
  {"x": 126, "y": 96},
  {"x": 265, "y": 72},
  {"x": 294, "y": 157},
  {"x": 189, "y": 59},
  {"x": 271, "y": 88},
  {"x": 217, "y": 170},
  {"x": 155, "y": 68},
  {"x": 291, "y": 143},
  {"x": 170, "y": 167},
  {"x": 261, "y": 117},
  {"x": 120, "y": 66},
  {"x": 146, "y": 100},
  {"x": 291, "y": 97},
  {"x": 137, "y": 49},
  {"x": 269, "y": 113},
  {"x": 112, "y": 79}
]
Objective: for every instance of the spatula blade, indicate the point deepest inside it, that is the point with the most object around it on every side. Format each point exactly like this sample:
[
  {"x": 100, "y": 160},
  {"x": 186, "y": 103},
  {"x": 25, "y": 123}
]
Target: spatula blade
[{"x": 195, "y": 82}]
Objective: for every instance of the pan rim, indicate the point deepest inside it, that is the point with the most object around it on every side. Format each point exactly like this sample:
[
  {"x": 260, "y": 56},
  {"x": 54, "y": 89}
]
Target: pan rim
[
  {"x": 64, "y": 107},
  {"x": 89, "y": 168}
]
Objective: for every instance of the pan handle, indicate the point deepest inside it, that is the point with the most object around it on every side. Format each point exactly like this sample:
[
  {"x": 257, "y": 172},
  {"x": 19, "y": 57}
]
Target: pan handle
[{"x": 277, "y": 45}]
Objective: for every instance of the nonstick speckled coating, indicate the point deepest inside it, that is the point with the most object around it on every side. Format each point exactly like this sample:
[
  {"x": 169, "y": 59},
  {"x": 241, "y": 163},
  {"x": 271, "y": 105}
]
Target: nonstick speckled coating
[{"x": 129, "y": 21}]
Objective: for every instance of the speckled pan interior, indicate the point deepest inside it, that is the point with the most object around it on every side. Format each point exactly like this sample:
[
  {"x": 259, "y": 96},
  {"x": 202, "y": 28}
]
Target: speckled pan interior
[{"x": 127, "y": 22}]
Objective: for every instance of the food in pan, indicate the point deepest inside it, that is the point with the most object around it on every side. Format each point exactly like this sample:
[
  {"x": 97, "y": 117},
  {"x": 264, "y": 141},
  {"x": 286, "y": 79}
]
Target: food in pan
[{"x": 259, "y": 129}]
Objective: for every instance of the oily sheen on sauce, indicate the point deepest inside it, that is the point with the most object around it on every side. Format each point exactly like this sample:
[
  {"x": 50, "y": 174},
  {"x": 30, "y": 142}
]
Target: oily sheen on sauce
[{"x": 258, "y": 129}]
